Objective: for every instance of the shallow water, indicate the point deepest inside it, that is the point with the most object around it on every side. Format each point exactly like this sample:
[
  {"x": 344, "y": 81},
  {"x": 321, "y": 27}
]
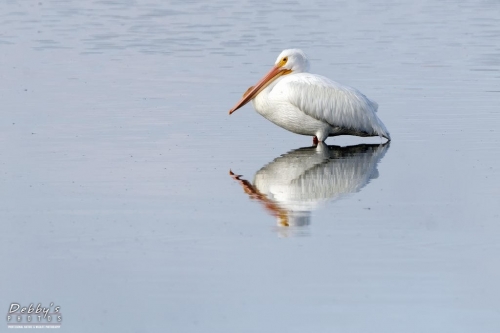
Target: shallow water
[{"x": 117, "y": 201}]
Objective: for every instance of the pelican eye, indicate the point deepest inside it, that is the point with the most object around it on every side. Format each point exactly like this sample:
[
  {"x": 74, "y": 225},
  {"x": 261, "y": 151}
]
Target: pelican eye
[{"x": 283, "y": 61}]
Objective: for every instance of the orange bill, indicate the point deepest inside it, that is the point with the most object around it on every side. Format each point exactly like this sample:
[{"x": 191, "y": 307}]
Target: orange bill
[{"x": 274, "y": 73}]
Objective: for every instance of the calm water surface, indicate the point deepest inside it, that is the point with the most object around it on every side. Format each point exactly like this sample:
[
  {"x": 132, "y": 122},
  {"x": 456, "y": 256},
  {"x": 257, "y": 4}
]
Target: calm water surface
[{"x": 117, "y": 202}]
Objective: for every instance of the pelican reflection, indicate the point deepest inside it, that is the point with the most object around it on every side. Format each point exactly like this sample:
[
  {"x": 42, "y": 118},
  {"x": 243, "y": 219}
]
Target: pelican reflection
[{"x": 296, "y": 183}]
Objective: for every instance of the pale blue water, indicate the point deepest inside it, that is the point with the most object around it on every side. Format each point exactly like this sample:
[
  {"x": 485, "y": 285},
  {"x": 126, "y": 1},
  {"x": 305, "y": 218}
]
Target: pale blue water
[{"x": 115, "y": 195}]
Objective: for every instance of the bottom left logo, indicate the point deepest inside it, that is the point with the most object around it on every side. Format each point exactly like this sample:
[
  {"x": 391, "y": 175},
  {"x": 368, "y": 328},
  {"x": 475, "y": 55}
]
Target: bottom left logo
[{"x": 32, "y": 316}]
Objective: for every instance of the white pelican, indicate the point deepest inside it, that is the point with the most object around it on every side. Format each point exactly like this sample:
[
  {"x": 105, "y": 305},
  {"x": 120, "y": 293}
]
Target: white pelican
[{"x": 311, "y": 104}]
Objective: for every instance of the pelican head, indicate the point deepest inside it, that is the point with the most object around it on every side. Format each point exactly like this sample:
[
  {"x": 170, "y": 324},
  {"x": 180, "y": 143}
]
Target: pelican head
[
  {"x": 289, "y": 61},
  {"x": 294, "y": 60}
]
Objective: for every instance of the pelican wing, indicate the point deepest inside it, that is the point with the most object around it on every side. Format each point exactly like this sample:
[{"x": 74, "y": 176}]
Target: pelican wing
[{"x": 328, "y": 101}]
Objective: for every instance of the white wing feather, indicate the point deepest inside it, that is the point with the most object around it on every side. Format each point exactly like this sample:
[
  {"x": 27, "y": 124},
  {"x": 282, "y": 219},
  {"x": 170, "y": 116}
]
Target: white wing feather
[{"x": 329, "y": 101}]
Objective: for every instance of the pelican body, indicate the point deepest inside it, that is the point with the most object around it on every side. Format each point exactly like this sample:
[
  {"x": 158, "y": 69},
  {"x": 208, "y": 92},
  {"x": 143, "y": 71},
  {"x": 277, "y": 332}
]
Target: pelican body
[{"x": 310, "y": 104}]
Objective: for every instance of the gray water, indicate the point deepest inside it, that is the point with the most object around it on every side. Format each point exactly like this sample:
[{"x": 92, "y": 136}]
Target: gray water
[{"x": 116, "y": 199}]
